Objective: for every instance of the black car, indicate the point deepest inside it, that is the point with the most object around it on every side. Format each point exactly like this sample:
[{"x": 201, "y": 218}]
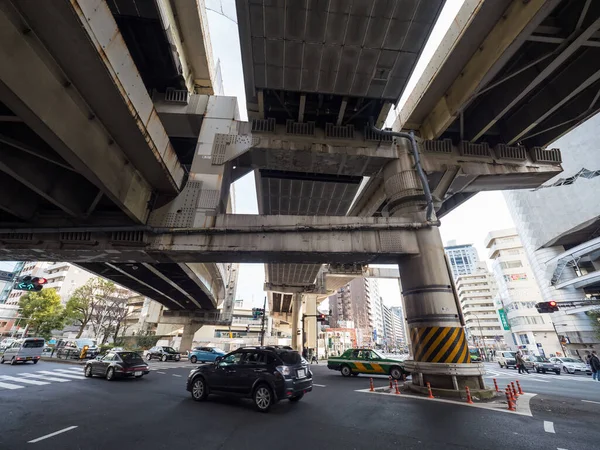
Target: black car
[
  {"x": 163, "y": 353},
  {"x": 265, "y": 374},
  {"x": 117, "y": 365}
]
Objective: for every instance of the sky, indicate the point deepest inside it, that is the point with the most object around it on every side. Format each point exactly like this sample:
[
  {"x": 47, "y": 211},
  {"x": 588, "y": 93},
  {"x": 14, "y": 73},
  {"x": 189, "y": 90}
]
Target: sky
[{"x": 467, "y": 224}]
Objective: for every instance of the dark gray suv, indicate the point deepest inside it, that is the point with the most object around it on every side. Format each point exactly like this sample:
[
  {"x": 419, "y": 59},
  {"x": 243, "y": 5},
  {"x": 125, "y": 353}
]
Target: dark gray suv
[{"x": 264, "y": 374}]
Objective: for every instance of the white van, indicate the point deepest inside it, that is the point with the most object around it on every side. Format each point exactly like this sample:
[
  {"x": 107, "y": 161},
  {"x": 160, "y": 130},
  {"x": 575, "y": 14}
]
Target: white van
[{"x": 23, "y": 350}]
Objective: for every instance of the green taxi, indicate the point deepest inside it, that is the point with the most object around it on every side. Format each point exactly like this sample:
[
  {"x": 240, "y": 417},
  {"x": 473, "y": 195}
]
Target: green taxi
[{"x": 364, "y": 360}]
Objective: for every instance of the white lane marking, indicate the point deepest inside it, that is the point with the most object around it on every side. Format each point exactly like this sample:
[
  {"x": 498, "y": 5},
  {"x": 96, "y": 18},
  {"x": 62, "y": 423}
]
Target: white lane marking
[
  {"x": 69, "y": 372},
  {"x": 21, "y": 380},
  {"x": 591, "y": 401},
  {"x": 549, "y": 427},
  {"x": 64, "y": 430},
  {"x": 64, "y": 375},
  {"x": 319, "y": 385},
  {"x": 73, "y": 369},
  {"x": 44, "y": 377},
  {"x": 10, "y": 386},
  {"x": 161, "y": 372},
  {"x": 175, "y": 375}
]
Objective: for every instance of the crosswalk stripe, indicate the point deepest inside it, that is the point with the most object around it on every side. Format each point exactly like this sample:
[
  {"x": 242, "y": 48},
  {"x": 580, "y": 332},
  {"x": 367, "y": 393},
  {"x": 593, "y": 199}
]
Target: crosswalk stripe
[
  {"x": 70, "y": 372},
  {"x": 72, "y": 369},
  {"x": 20, "y": 380},
  {"x": 10, "y": 386},
  {"x": 65, "y": 375},
  {"x": 44, "y": 377}
]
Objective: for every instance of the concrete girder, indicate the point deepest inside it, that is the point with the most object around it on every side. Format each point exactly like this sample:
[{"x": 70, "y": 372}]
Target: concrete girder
[
  {"x": 233, "y": 238},
  {"x": 518, "y": 22},
  {"x": 107, "y": 78},
  {"x": 35, "y": 89},
  {"x": 190, "y": 16},
  {"x": 482, "y": 119},
  {"x": 64, "y": 189},
  {"x": 378, "y": 272},
  {"x": 24, "y": 206}
]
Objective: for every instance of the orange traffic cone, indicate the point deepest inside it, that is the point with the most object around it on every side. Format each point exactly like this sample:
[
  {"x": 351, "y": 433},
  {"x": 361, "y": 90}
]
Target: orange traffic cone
[
  {"x": 391, "y": 386},
  {"x": 469, "y": 399},
  {"x": 371, "y": 383},
  {"x": 396, "y": 384},
  {"x": 429, "y": 389},
  {"x": 496, "y": 385},
  {"x": 514, "y": 390},
  {"x": 511, "y": 406}
]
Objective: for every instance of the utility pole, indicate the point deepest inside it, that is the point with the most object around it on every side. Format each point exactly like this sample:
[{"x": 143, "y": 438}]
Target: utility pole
[{"x": 262, "y": 325}]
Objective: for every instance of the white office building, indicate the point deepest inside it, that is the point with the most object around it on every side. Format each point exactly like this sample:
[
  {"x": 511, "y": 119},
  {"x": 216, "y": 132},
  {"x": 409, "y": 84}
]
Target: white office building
[
  {"x": 476, "y": 292},
  {"x": 463, "y": 258},
  {"x": 518, "y": 292}
]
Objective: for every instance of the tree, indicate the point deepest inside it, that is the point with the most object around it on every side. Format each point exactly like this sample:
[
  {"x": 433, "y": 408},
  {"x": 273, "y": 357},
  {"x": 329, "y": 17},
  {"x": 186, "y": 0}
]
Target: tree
[
  {"x": 594, "y": 315},
  {"x": 43, "y": 311}
]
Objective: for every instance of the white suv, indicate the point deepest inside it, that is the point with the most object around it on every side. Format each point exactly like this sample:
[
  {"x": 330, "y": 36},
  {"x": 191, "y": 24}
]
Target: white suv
[{"x": 507, "y": 359}]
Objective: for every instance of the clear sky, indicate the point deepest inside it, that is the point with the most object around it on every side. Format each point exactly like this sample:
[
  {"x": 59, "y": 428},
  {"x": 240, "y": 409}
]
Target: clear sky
[{"x": 469, "y": 223}]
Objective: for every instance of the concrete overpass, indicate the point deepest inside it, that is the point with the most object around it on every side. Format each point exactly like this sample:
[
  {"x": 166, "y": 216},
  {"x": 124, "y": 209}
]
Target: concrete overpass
[
  {"x": 91, "y": 126},
  {"x": 311, "y": 92}
]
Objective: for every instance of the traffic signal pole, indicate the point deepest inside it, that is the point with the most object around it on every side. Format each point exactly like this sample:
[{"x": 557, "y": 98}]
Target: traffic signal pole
[{"x": 262, "y": 324}]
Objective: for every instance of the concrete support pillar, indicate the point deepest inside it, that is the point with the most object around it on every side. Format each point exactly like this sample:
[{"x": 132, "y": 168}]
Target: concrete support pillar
[
  {"x": 310, "y": 324},
  {"x": 187, "y": 338},
  {"x": 296, "y": 318},
  {"x": 438, "y": 342}
]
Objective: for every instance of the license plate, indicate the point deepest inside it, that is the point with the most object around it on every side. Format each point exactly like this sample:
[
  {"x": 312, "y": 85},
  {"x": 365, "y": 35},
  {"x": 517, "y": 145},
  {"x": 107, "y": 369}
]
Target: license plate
[
  {"x": 28, "y": 358},
  {"x": 137, "y": 374},
  {"x": 301, "y": 373}
]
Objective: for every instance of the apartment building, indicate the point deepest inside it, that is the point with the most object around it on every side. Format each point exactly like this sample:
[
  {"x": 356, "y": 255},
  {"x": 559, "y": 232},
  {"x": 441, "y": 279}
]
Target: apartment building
[
  {"x": 463, "y": 258},
  {"x": 518, "y": 292}
]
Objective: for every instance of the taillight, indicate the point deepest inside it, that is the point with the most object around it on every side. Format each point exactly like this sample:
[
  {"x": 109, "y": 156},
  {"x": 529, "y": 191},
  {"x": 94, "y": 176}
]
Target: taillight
[{"x": 283, "y": 370}]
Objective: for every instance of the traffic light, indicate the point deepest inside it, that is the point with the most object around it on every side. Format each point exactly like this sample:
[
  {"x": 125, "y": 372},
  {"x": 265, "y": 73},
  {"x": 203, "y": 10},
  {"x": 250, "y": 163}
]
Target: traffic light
[
  {"x": 257, "y": 313},
  {"x": 28, "y": 283},
  {"x": 547, "y": 307},
  {"x": 323, "y": 319}
]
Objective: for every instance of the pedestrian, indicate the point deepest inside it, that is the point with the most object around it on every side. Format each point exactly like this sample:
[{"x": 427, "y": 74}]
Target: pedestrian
[
  {"x": 521, "y": 363},
  {"x": 305, "y": 353},
  {"x": 595, "y": 365},
  {"x": 314, "y": 357}
]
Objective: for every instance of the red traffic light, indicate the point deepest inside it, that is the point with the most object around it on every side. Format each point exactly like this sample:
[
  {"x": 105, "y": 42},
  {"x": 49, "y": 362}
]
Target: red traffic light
[
  {"x": 552, "y": 303},
  {"x": 40, "y": 280}
]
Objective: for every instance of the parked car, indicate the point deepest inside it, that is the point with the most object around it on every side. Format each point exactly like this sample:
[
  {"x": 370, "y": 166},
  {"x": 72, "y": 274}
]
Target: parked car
[
  {"x": 265, "y": 374},
  {"x": 117, "y": 365},
  {"x": 163, "y": 353},
  {"x": 205, "y": 354},
  {"x": 363, "y": 360},
  {"x": 23, "y": 350},
  {"x": 507, "y": 359},
  {"x": 73, "y": 348},
  {"x": 543, "y": 365},
  {"x": 571, "y": 365}
]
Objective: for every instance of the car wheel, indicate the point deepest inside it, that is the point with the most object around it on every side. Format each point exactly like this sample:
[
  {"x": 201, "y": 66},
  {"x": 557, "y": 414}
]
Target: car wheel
[
  {"x": 296, "y": 398},
  {"x": 13, "y": 361},
  {"x": 199, "y": 389},
  {"x": 164, "y": 358},
  {"x": 110, "y": 374},
  {"x": 1, "y": 359},
  {"x": 148, "y": 356},
  {"x": 538, "y": 370},
  {"x": 557, "y": 372},
  {"x": 194, "y": 360},
  {"x": 500, "y": 364},
  {"x": 396, "y": 373},
  {"x": 178, "y": 358},
  {"x": 565, "y": 370},
  {"x": 88, "y": 371},
  {"x": 35, "y": 361},
  {"x": 543, "y": 370},
  {"x": 263, "y": 398},
  {"x": 346, "y": 371}
]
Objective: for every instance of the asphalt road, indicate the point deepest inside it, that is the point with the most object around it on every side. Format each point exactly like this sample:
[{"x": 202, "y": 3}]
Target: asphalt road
[{"x": 157, "y": 412}]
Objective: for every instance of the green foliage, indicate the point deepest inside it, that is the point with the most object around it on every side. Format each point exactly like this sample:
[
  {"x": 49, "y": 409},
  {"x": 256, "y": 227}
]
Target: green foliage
[
  {"x": 43, "y": 311},
  {"x": 595, "y": 317}
]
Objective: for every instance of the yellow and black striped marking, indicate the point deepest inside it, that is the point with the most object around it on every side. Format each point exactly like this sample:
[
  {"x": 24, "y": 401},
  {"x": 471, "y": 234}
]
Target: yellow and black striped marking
[{"x": 440, "y": 345}]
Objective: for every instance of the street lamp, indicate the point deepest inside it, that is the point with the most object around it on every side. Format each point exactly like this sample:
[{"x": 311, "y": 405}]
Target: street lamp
[
  {"x": 482, "y": 339},
  {"x": 559, "y": 339}
]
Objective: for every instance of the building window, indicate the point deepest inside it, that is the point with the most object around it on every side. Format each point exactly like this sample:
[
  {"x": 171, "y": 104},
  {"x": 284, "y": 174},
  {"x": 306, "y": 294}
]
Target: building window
[{"x": 524, "y": 339}]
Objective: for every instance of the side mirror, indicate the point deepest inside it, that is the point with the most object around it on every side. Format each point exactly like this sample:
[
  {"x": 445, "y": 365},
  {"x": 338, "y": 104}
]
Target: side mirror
[
  {"x": 99, "y": 357},
  {"x": 218, "y": 359}
]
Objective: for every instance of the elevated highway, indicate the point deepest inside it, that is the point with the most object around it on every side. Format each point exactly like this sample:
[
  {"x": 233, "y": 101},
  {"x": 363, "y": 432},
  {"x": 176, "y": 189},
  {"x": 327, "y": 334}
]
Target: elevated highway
[{"x": 82, "y": 143}]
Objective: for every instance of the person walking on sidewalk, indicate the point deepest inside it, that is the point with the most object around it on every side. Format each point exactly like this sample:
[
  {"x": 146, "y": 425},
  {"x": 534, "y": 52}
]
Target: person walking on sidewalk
[
  {"x": 521, "y": 363},
  {"x": 595, "y": 365}
]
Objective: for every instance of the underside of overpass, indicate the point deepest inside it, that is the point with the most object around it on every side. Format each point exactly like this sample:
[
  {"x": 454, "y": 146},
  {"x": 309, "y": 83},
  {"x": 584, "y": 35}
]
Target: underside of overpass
[{"x": 81, "y": 144}]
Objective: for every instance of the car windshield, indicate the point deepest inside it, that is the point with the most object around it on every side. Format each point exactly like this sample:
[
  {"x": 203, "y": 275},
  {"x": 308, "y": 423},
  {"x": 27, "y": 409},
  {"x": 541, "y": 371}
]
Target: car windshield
[
  {"x": 569, "y": 360},
  {"x": 290, "y": 357},
  {"x": 88, "y": 342},
  {"x": 540, "y": 359},
  {"x": 375, "y": 354},
  {"x": 509, "y": 355},
  {"x": 131, "y": 357},
  {"x": 169, "y": 349}
]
